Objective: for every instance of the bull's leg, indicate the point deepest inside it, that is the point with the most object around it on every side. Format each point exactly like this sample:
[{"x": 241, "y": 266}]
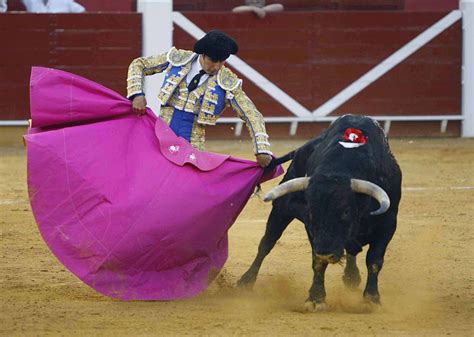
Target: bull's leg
[
  {"x": 276, "y": 224},
  {"x": 374, "y": 262},
  {"x": 317, "y": 293},
  {"x": 351, "y": 275}
]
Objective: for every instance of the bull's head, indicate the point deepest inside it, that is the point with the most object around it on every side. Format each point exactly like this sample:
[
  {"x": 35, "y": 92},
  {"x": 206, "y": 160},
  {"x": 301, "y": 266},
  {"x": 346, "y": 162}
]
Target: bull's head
[{"x": 334, "y": 212}]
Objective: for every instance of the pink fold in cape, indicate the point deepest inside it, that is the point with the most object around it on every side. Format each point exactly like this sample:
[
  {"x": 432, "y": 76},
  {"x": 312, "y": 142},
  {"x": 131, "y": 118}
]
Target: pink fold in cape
[{"x": 130, "y": 208}]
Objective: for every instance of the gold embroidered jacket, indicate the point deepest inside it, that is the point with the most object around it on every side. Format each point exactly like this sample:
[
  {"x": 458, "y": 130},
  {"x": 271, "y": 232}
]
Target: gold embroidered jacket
[{"x": 207, "y": 101}]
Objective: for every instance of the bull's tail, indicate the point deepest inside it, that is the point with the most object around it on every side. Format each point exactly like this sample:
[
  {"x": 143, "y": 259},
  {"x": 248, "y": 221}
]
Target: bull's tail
[
  {"x": 274, "y": 163},
  {"x": 278, "y": 161}
]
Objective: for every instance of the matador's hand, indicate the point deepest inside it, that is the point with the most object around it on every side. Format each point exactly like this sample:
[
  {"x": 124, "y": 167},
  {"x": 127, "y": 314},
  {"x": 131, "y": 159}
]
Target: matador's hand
[
  {"x": 139, "y": 105},
  {"x": 263, "y": 159}
]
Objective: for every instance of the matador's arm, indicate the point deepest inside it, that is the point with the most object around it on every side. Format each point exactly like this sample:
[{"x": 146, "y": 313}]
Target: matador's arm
[
  {"x": 247, "y": 111},
  {"x": 144, "y": 66}
]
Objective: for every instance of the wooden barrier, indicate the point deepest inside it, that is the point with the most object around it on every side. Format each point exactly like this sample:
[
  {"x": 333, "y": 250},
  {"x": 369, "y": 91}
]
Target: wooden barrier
[
  {"x": 291, "y": 5},
  {"x": 310, "y": 55},
  {"x": 97, "y": 46},
  {"x": 430, "y": 5},
  {"x": 313, "y": 56}
]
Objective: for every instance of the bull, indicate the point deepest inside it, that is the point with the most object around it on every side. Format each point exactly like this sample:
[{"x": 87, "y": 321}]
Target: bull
[{"x": 345, "y": 186}]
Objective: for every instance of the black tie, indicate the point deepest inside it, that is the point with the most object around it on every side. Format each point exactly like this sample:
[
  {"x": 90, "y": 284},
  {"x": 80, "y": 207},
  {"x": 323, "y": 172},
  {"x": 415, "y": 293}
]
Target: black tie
[{"x": 195, "y": 81}]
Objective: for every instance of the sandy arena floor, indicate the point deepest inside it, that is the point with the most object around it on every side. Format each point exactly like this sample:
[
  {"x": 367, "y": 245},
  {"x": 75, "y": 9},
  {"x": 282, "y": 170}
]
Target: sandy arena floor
[{"x": 426, "y": 284}]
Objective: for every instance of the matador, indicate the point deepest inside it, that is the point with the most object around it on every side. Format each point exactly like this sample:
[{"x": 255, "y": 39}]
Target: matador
[{"x": 196, "y": 89}]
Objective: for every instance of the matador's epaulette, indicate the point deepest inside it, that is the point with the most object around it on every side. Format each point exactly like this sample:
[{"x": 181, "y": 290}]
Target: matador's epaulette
[
  {"x": 179, "y": 57},
  {"x": 227, "y": 80}
]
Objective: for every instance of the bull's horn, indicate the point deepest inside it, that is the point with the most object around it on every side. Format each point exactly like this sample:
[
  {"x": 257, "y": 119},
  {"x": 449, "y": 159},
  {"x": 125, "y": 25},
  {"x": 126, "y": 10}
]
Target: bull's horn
[
  {"x": 375, "y": 191},
  {"x": 293, "y": 185}
]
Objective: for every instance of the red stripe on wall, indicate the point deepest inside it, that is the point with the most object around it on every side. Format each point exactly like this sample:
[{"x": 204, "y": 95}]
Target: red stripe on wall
[
  {"x": 430, "y": 5},
  {"x": 97, "y": 46},
  {"x": 313, "y": 56}
]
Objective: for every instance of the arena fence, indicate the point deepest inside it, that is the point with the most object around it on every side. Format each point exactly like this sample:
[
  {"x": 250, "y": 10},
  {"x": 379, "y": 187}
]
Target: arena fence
[
  {"x": 323, "y": 113},
  {"x": 402, "y": 68}
]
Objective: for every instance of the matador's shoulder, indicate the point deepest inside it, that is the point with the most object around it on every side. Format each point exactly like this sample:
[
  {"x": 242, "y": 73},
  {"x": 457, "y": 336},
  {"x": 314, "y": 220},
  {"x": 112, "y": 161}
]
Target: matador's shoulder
[
  {"x": 179, "y": 57},
  {"x": 227, "y": 80}
]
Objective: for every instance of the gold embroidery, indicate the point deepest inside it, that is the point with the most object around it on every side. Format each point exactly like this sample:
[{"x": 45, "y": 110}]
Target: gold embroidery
[
  {"x": 227, "y": 79},
  {"x": 247, "y": 111},
  {"x": 166, "y": 113},
  {"x": 208, "y": 108},
  {"x": 142, "y": 66},
  {"x": 178, "y": 57},
  {"x": 193, "y": 104},
  {"x": 172, "y": 83},
  {"x": 207, "y": 119},
  {"x": 176, "y": 102},
  {"x": 209, "y": 96},
  {"x": 198, "y": 136}
]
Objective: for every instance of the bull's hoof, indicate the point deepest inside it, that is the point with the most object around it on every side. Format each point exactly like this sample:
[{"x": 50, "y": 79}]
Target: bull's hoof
[
  {"x": 372, "y": 299},
  {"x": 246, "y": 281},
  {"x": 351, "y": 280},
  {"x": 312, "y": 306}
]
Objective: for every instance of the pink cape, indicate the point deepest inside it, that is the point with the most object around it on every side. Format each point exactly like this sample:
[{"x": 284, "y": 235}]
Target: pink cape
[{"x": 130, "y": 208}]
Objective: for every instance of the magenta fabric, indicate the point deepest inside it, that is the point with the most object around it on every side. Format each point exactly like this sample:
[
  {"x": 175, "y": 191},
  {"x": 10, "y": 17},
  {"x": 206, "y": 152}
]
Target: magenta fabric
[{"x": 130, "y": 208}]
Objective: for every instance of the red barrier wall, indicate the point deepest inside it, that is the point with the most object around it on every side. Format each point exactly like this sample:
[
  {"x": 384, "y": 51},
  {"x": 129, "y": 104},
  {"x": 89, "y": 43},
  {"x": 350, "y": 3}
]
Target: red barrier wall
[
  {"x": 97, "y": 46},
  {"x": 291, "y": 5},
  {"x": 90, "y": 5},
  {"x": 109, "y": 5},
  {"x": 323, "y": 52},
  {"x": 430, "y": 5},
  {"x": 227, "y": 5},
  {"x": 310, "y": 55}
]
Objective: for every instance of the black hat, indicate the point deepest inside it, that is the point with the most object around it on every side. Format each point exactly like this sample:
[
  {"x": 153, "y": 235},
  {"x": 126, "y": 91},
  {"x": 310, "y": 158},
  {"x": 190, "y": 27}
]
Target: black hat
[{"x": 217, "y": 45}]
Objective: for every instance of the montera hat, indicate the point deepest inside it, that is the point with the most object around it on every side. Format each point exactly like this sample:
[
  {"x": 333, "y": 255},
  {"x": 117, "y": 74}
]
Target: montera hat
[{"x": 217, "y": 45}]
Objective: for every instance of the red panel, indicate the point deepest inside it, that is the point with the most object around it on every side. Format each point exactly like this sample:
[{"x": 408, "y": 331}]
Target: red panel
[
  {"x": 28, "y": 21},
  {"x": 23, "y": 58},
  {"x": 227, "y": 5},
  {"x": 430, "y": 5},
  {"x": 428, "y": 83},
  {"x": 308, "y": 130},
  {"x": 424, "y": 129},
  {"x": 311, "y": 56},
  {"x": 37, "y": 39},
  {"x": 97, "y": 46},
  {"x": 323, "y": 53},
  {"x": 291, "y": 5},
  {"x": 90, "y": 5},
  {"x": 92, "y": 21},
  {"x": 245, "y": 23},
  {"x": 104, "y": 38},
  {"x": 370, "y": 5},
  {"x": 109, "y": 5}
]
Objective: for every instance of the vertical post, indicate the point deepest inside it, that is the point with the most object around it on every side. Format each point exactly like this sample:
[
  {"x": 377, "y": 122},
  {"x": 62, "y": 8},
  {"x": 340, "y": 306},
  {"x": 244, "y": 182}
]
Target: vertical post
[
  {"x": 293, "y": 128},
  {"x": 157, "y": 32},
  {"x": 238, "y": 129},
  {"x": 467, "y": 8}
]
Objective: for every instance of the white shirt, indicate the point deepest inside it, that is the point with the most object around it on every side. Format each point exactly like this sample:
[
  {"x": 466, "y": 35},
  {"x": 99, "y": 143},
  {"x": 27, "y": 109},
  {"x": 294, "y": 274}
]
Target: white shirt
[
  {"x": 3, "y": 6},
  {"x": 195, "y": 69},
  {"x": 53, "y": 6}
]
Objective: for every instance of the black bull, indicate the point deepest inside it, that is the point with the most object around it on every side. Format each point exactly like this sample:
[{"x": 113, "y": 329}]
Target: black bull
[{"x": 346, "y": 197}]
